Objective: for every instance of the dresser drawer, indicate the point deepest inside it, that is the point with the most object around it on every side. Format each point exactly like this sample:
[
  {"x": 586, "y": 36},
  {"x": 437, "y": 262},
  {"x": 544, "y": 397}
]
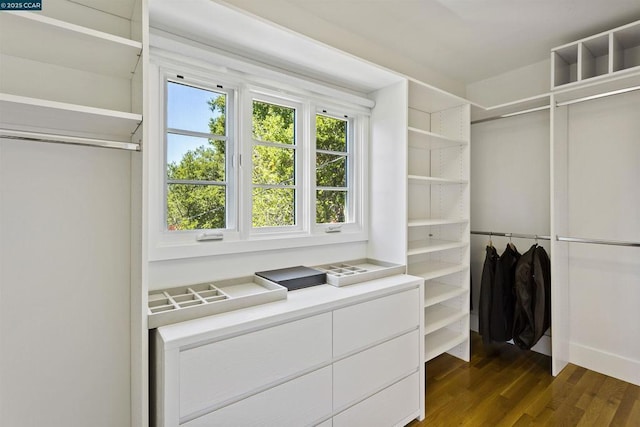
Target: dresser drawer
[
  {"x": 390, "y": 407},
  {"x": 361, "y": 325},
  {"x": 366, "y": 372},
  {"x": 296, "y": 403},
  {"x": 212, "y": 374}
]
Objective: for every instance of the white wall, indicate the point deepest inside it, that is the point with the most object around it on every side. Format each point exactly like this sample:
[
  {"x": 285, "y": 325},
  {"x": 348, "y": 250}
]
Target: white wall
[
  {"x": 604, "y": 203},
  {"x": 64, "y": 285},
  {"x": 520, "y": 83}
]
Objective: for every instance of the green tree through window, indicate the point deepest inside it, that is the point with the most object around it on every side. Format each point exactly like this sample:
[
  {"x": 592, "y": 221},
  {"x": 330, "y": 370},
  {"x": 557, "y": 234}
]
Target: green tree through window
[{"x": 197, "y": 181}]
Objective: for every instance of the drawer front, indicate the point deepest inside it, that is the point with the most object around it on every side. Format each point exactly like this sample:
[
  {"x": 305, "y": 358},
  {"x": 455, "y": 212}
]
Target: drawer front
[
  {"x": 223, "y": 370},
  {"x": 363, "y": 324},
  {"x": 365, "y": 373},
  {"x": 296, "y": 403},
  {"x": 390, "y": 407}
]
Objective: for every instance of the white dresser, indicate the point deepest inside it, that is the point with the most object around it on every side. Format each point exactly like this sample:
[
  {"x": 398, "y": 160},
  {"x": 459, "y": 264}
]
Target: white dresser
[{"x": 325, "y": 356}]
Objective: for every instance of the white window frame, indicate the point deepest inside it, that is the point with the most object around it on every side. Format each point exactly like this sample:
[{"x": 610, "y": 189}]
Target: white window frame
[
  {"x": 300, "y": 147},
  {"x": 230, "y": 183},
  {"x": 165, "y": 245}
]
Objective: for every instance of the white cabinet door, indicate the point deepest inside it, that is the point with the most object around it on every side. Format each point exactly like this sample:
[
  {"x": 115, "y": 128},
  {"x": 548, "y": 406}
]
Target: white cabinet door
[
  {"x": 212, "y": 374},
  {"x": 367, "y": 372},
  {"x": 364, "y": 324},
  {"x": 390, "y": 407},
  {"x": 296, "y": 403}
]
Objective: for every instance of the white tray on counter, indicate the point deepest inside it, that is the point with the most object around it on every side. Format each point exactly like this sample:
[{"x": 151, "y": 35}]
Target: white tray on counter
[
  {"x": 174, "y": 305},
  {"x": 357, "y": 271}
]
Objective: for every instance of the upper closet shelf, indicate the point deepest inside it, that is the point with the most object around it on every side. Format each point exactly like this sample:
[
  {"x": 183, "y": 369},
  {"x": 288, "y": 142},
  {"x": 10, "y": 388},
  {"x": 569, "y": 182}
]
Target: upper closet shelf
[
  {"x": 510, "y": 109},
  {"x": 433, "y": 139},
  {"x": 22, "y": 113},
  {"x": 433, "y": 222},
  {"x": 435, "y": 180},
  {"x": 44, "y": 39}
]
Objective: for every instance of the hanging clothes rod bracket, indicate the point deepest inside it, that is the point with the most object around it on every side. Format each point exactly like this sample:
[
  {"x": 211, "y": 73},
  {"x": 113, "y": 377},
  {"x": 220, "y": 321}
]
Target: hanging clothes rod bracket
[
  {"x": 597, "y": 241},
  {"x": 66, "y": 139},
  {"x": 598, "y": 96},
  {"x": 516, "y": 235}
]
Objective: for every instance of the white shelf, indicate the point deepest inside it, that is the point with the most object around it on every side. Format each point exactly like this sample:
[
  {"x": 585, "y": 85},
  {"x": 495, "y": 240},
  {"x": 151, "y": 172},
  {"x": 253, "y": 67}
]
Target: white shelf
[
  {"x": 441, "y": 341},
  {"x": 433, "y": 270},
  {"x": 438, "y": 316},
  {"x": 435, "y": 293},
  {"x": 435, "y": 140},
  {"x": 434, "y": 222},
  {"x": 57, "y": 42},
  {"x": 418, "y": 247},
  {"x": 23, "y": 113},
  {"x": 434, "y": 180},
  {"x": 597, "y": 58}
]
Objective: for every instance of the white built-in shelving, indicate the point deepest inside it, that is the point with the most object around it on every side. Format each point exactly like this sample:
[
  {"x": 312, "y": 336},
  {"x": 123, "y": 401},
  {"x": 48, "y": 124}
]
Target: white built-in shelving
[
  {"x": 73, "y": 69},
  {"x": 438, "y": 214},
  {"x": 614, "y": 53}
]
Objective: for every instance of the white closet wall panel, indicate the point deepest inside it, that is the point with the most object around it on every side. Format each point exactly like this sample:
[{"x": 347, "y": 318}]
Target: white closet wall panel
[
  {"x": 509, "y": 186},
  {"x": 604, "y": 203},
  {"x": 64, "y": 285}
]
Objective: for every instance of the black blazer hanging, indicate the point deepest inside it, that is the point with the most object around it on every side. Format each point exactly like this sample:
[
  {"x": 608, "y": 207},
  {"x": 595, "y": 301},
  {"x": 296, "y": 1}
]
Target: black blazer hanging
[
  {"x": 486, "y": 293},
  {"x": 503, "y": 298},
  {"x": 532, "y": 315}
]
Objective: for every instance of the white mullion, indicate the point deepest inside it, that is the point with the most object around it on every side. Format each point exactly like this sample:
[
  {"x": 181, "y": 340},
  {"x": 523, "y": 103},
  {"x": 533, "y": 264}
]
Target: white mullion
[
  {"x": 344, "y": 189},
  {"x": 334, "y": 153},
  {"x": 196, "y": 182},
  {"x": 245, "y": 207}
]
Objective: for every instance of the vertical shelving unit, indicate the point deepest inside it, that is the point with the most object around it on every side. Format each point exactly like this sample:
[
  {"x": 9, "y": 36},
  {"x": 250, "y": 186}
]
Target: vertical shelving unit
[{"x": 438, "y": 214}]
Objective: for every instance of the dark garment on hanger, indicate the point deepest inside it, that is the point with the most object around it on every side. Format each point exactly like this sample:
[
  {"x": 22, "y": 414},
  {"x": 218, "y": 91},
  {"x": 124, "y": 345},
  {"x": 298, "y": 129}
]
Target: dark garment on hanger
[
  {"x": 486, "y": 292},
  {"x": 532, "y": 315},
  {"x": 503, "y": 296}
]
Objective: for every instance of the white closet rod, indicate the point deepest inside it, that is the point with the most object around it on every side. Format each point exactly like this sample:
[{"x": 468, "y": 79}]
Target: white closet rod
[
  {"x": 65, "y": 139},
  {"x": 515, "y": 113},
  {"x": 519, "y": 235},
  {"x": 597, "y": 96},
  {"x": 597, "y": 241}
]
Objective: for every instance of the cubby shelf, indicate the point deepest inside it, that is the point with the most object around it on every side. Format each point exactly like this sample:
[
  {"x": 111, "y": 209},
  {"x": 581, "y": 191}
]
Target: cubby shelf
[
  {"x": 68, "y": 45},
  {"x": 418, "y": 247},
  {"x": 435, "y": 293},
  {"x": 441, "y": 341},
  {"x": 23, "y": 113},
  {"x": 598, "y": 57}
]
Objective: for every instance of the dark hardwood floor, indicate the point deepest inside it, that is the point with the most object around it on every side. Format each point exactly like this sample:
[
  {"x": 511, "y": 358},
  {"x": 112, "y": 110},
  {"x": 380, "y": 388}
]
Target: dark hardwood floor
[{"x": 505, "y": 386}]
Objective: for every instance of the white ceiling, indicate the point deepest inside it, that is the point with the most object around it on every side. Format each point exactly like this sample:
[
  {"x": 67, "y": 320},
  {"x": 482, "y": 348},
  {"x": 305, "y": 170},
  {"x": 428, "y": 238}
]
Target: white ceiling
[{"x": 465, "y": 40}]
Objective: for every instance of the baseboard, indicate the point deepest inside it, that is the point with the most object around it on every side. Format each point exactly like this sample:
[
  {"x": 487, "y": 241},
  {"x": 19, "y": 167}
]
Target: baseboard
[
  {"x": 543, "y": 346},
  {"x": 609, "y": 364}
]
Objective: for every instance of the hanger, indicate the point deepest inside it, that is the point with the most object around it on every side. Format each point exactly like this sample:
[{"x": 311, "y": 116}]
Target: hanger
[{"x": 490, "y": 242}]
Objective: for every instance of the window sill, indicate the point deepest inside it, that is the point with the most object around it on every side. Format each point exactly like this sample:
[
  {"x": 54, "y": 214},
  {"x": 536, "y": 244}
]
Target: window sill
[{"x": 189, "y": 247}]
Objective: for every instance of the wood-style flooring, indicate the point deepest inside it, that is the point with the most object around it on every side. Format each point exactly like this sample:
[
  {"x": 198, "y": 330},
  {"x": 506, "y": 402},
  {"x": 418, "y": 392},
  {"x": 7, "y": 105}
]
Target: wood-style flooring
[{"x": 505, "y": 386}]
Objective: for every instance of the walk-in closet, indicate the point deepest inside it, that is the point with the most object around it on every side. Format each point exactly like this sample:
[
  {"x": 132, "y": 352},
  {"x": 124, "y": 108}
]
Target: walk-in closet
[{"x": 324, "y": 213}]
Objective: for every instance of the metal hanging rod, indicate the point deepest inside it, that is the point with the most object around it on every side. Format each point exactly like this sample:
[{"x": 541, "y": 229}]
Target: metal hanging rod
[
  {"x": 515, "y": 113},
  {"x": 597, "y": 241},
  {"x": 598, "y": 96},
  {"x": 65, "y": 139},
  {"x": 518, "y": 235}
]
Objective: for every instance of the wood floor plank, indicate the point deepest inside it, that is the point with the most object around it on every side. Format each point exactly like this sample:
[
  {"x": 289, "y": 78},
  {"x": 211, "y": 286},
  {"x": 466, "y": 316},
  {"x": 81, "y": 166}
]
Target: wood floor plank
[{"x": 504, "y": 386}]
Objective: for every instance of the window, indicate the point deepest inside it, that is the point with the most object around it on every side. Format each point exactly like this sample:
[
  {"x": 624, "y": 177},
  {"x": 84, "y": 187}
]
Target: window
[
  {"x": 332, "y": 169},
  {"x": 197, "y": 158},
  {"x": 254, "y": 166},
  {"x": 274, "y": 160}
]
